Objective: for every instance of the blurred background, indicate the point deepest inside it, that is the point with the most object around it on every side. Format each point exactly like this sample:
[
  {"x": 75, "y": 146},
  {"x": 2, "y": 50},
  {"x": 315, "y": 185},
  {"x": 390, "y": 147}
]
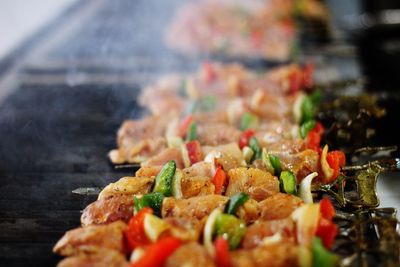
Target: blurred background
[{"x": 70, "y": 71}]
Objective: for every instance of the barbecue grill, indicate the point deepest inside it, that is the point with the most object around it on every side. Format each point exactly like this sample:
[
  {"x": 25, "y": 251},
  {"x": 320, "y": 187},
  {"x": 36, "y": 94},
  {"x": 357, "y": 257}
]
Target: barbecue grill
[{"x": 68, "y": 90}]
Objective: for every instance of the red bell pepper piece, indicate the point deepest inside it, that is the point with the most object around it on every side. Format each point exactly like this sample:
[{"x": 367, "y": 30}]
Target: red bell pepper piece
[
  {"x": 194, "y": 151},
  {"x": 336, "y": 160},
  {"x": 327, "y": 209},
  {"x": 327, "y": 231},
  {"x": 156, "y": 254},
  {"x": 295, "y": 81},
  {"x": 208, "y": 72},
  {"x": 308, "y": 71},
  {"x": 222, "y": 258},
  {"x": 135, "y": 234},
  {"x": 184, "y": 126},
  {"x": 219, "y": 180},
  {"x": 245, "y": 138},
  {"x": 313, "y": 139}
]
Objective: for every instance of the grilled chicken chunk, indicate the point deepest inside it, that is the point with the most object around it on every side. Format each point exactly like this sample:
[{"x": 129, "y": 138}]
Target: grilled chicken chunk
[
  {"x": 214, "y": 134},
  {"x": 195, "y": 207},
  {"x": 257, "y": 183},
  {"x": 163, "y": 157},
  {"x": 101, "y": 258},
  {"x": 202, "y": 168},
  {"x": 128, "y": 186},
  {"x": 256, "y": 232},
  {"x": 91, "y": 239},
  {"x": 190, "y": 255},
  {"x": 301, "y": 164},
  {"x": 110, "y": 209},
  {"x": 279, "y": 206},
  {"x": 275, "y": 255},
  {"x": 184, "y": 229},
  {"x": 197, "y": 186}
]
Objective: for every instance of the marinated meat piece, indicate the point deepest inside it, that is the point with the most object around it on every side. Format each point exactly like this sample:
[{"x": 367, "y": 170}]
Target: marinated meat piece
[
  {"x": 204, "y": 169},
  {"x": 269, "y": 106},
  {"x": 190, "y": 255},
  {"x": 128, "y": 186},
  {"x": 257, "y": 183},
  {"x": 256, "y": 232},
  {"x": 279, "y": 206},
  {"x": 139, "y": 139},
  {"x": 229, "y": 156},
  {"x": 197, "y": 186},
  {"x": 163, "y": 157},
  {"x": 101, "y": 258},
  {"x": 110, "y": 209},
  {"x": 148, "y": 171},
  {"x": 281, "y": 254},
  {"x": 249, "y": 211},
  {"x": 195, "y": 207},
  {"x": 301, "y": 164},
  {"x": 91, "y": 239},
  {"x": 184, "y": 229},
  {"x": 214, "y": 134}
]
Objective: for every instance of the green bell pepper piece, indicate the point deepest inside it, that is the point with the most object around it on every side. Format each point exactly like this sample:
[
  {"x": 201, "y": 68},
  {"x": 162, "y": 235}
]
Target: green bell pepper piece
[
  {"x": 192, "y": 132},
  {"x": 163, "y": 182},
  {"x": 287, "y": 182},
  {"x": 321, "y": 256},
  {"x": 255, "y": 146},
  {"x": 307, "y": 109},
  {"x": 276, "y": 164},
  {"x": 153, "y": 200},
  {"x": 235, "y": 202},
  {"x": 306, "y": 127},
  {"x": 231, "y": 227},
  {"x": 247, "y": 121}
]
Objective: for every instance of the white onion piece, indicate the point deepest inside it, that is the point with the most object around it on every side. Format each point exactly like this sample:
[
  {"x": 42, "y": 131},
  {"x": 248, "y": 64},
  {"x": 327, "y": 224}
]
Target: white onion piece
[
  {"x": 270, "y": 240},
  {"x": 306, "y": 218},
  {"x": 209, "y": 230},
  {"x": 297, "y": 107},
  {"x": 174, "y": 142},
  {"x": 136, "y": 254},
  {"x": 185, "y": 156},
  {"x": 305, "y": 188},
  {"x": 177, "y": 184},
  {"x": 326, "y": 169}
]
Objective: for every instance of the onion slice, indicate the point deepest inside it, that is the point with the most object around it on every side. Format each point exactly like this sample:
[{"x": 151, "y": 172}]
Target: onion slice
[{"x": 305, "y": 188}]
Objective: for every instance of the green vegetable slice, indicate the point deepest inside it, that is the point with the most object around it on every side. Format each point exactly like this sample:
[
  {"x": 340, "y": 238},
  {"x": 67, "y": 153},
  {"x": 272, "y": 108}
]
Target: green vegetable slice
[
  {"x": 247, "y": 121},
  {"x": 153, "y": 200},
  {"x": 192, "y": 132},
  {"x": 231, "y": 227},
  {"x": 276, "y": 164},
  {"x": 306, "y": 127},
  {"x": 255, "y": 146},
  {"x": 235, "y": 202},
  {"x": 321, "y": 256},
  {"x": 287, "y": 182},
  {"x": 163, "y": 182},
  {"x": 307, "y": 109}
]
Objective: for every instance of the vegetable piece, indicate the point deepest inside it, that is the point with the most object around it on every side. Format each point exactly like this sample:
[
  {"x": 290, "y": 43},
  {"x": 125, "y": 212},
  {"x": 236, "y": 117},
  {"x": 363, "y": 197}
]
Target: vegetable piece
[
  {"x": 232, "y": 227},
  {"x": 182, "y": 89},
  {"x": 313, "y": 139},
  {"x": 287, "y": 182},
  {"x": 153, "y": 200},
  {"x": 248, "y": 120},
  {"x": 209, "y": 229},
  {"x": 306, "y": 127},
  {"x": 308, "y": 71},
  {"x": 306, "y": 218},
  {"x": 322, "y": 257},
  {"x": 316, "y": 97},
  {"x": 336, "y": 160},
  {"x": 248, "y": 154},
  {"x": 326, "y": 169},
  {"x": 135, "y": 234},
  {"x": 154, "y": 227},
  {"x": 307, "y": 109},
  {"x": 163, "y": 182},
  {"x": 245, "y": 137},
  {"x": 297, "y": 107},
  {"x": 327, "y": 209},
  {"x": 327, "y": 231},
  {"x": 267, "y": 162},
  {"x": 194, "y": 151},
  {"x": 174, "y": 142},
  {"x": 304, "y": 257},
  {"x": 235, "y": 202},
  {"x": 156, "y": 254},
  {"x": 222, "y": 258},
  {"x": 219, "y": 180},
  {"x": 208, "y": 103},
  {"x": 255, "y": 146},
  {"x": 305, "y": 188},
  {"x": 276, "y": 164},
  {"x": 185, "y": 156},
  {"x": 184, "y": 126},
  {"x": 192, "y": 132},
  {"x": 177, "y": 184},
  {"x": 295, "y": 81}
]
